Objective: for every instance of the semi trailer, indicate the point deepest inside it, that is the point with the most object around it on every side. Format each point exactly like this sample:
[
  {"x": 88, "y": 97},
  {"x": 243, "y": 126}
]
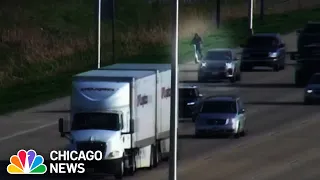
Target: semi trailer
[{"x": 117, "y": 112}]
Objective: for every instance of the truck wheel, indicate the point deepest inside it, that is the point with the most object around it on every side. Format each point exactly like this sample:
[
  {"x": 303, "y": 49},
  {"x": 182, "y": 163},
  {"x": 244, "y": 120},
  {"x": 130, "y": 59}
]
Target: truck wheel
[
  {"x": 156, "y": 155},
  {"x": 151, "y": 158},
  {"x": 120, "y": 171},
  {"x": 132, "y": 165}
]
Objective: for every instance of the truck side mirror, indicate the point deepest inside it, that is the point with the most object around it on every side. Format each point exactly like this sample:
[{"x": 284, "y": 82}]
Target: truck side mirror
[
  {"x": 61, "y": 127},
  {"x": 131, "y": 126},
  {"x": 282, "y": 45},
  {"x": 242, "y": 111}
]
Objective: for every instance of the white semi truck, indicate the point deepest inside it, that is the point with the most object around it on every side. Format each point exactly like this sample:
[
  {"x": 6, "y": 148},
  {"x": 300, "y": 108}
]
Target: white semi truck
[{"x": 115, "y": 112}]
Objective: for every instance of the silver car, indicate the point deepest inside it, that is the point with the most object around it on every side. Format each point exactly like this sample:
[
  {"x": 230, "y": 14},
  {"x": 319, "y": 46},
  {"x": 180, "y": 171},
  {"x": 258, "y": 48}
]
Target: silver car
[
  {"x": 312, "y": 90},
  {"x": 220, "y": 64},
  {"x": 221, "y": 115}
]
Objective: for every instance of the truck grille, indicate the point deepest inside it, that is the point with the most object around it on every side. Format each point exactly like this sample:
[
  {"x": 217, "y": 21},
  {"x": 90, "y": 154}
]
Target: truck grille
[
  {"x": 216, "y": 121},
  {"x": 92, "y": 146}
]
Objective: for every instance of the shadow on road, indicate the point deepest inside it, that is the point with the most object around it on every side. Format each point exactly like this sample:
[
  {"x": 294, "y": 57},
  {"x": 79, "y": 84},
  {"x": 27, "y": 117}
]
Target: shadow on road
[{"x": 53, "y": 111}]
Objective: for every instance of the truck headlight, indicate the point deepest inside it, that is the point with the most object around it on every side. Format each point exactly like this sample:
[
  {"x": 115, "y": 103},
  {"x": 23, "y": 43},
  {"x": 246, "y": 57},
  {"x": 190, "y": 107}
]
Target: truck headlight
[
  {"x": 190, "y": 103},
  {"x": 114, "y": 154},
  {"x": 309, "y": 91},
  {"x": 273, "y": 54}
]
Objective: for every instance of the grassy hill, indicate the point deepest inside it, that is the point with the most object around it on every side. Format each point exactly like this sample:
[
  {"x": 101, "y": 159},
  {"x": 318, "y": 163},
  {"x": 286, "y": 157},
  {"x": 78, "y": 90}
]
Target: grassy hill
[{"x": 43, "y": 43}]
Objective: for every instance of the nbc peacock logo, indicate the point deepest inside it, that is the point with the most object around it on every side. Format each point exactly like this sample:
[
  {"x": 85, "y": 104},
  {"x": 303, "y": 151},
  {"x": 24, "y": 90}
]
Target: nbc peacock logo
[{"x": 26, "y": 162}]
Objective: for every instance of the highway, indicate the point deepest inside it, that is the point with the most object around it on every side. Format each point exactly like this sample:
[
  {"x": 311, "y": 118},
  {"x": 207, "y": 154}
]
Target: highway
[{"x": 282, "y": 142}]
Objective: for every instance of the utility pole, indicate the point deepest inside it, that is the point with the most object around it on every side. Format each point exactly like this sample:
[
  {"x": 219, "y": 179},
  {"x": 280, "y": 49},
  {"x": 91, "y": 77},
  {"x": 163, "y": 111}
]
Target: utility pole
[
  {"x": 98, "y": 31},
  {"x": 251, "y": 31},
  {"x": 174, "y": 92},
  {"x": 113, "y": 32}
]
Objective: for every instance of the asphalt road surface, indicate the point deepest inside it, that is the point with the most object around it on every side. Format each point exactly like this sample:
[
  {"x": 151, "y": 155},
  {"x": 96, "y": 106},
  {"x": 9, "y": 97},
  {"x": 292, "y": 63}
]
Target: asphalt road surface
[{"x": 282, "y": 142}]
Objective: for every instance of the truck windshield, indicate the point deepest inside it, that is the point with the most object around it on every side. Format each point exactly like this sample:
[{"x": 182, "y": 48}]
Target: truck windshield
[
  {"x": 101, "y": 121},
  {"x": 219, "y": 107},
  {"x": 263, "y": 41},
  {"x": 315, "y": 79},
  {"x": 219, "y": 55}
]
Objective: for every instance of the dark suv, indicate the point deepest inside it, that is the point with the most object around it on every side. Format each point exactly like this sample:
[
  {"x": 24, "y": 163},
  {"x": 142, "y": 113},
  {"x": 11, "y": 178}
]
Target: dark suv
[
  {"x": 263, "y": 49},
  {"x": 188, "y": 98}
]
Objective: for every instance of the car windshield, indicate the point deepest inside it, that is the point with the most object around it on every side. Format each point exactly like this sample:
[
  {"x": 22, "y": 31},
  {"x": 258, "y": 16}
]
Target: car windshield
[
  {"x": 262, "y": 42},
  {"x": 315, "y": 79},
  {"x": 219, "y": 107},
  {"x": 102, "y": 121},
  {"x": 218, "y": 55},
  {"x": 187, "y": 93},
  {"x": 312, "y": 28}
]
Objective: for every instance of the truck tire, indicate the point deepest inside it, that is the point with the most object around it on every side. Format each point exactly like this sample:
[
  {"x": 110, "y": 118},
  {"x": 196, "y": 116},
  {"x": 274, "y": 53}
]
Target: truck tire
[
  {"x": 152, "y": 163},
  {"x": 120, "y": 171},
  {"x": 156, "y": 155},
  {"x": 132, "y": 165}
]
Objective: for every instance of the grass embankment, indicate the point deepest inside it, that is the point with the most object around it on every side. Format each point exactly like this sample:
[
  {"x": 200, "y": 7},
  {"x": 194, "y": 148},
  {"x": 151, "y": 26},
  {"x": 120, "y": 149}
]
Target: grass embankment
[{"x": 43, "y": 43}]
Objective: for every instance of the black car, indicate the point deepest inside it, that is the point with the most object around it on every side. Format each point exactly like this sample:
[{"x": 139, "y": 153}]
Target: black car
[
  {"x": 188, "y": 98},
  {"x": 263, "y": 49}
]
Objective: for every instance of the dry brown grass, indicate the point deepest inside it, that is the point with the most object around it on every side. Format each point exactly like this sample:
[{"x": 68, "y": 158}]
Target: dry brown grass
[{"x": 35, "y": 45}]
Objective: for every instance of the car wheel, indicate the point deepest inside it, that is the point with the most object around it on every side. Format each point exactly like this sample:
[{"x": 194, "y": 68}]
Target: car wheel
[
  {"x": 233, "y": 79},
  {"x": 307, "y": 102},
  {"x": 198, "y": 135},
  {"x": 283, "y": 67},
  {"x": 244, "y": 133},
  {"x": 276, "y": 67},
  {"x": 237, "y": 135},
  {"x": 239, "y": 77}
]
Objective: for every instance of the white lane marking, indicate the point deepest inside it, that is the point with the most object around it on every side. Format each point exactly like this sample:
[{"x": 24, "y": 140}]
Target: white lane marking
[{"x": 27, "y": 131}]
